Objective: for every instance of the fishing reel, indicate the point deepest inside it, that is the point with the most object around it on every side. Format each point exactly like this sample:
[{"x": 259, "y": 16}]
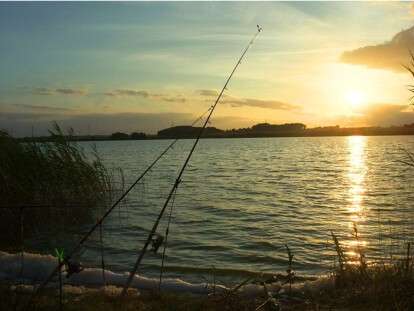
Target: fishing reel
[
  {"x": 72, "y": 267},
  {"x": 156, "y": 242}
]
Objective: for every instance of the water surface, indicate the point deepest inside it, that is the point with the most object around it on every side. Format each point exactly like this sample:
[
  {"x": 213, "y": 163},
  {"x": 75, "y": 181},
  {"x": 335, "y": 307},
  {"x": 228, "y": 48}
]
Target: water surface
[{"x": 242, "y": 200}]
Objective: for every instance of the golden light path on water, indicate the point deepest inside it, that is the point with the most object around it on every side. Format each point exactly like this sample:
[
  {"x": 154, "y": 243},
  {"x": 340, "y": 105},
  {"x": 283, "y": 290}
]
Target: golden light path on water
[{"x": 356, "y": 180}]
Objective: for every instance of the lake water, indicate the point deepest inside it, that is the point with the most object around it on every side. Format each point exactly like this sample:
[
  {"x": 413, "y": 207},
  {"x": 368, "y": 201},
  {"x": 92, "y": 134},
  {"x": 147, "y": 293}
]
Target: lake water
[{"x": 242, "y": 200}]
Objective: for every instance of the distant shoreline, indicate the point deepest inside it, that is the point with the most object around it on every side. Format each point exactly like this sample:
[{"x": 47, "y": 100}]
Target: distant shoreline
[
  {"x": 256, "y": 131},
  {"x": 108, "y": 138}
]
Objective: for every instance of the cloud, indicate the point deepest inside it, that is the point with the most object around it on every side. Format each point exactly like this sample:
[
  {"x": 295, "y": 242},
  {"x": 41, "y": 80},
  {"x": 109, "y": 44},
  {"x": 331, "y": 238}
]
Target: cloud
[
  {"x": 145, "y": 94},
  {"x": 15, "y": 119},
  {"x": 127, "y": 92},
  {"x": 68, "y": 91},
  {"x": 176, "y": 99},
  {"x": 240, "y": 102},
  {"x": 42, "y": 91},
  {"x": 391, "y": 55},
  {"x": 42, "y": 108},
  {"x": 258, "y": 103},
  {"x": 63, "y": 91},
  {"x": 388, "y": 114},
  {"x": 21, "y": 123},
  {"x": 207, "y": 93},
  {"x": 380, "y": 114}
]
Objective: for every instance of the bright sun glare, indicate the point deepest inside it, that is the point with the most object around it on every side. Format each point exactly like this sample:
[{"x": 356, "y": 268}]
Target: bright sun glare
[{"x": 355, "y": 98}]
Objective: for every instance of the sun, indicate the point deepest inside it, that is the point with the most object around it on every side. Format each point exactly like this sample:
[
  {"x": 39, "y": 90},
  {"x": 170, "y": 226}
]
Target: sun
[{"x": 355, "y": 98}]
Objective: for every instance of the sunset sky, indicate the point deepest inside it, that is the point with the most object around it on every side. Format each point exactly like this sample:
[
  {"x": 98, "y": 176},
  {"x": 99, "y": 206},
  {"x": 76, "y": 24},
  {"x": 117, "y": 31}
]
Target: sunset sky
[{"x": 105, "y": 67}]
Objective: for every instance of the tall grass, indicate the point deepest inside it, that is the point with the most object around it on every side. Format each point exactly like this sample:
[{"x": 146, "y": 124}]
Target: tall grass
[
  {"x": 386, "y": 285},
  {"x": 54, "y": 173},
  {"x": 55, "y": 180}
]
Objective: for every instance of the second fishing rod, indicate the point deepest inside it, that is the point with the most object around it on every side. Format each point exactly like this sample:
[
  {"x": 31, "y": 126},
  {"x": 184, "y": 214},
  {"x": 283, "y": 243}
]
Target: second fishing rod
[{"x": 178, "y": 179}]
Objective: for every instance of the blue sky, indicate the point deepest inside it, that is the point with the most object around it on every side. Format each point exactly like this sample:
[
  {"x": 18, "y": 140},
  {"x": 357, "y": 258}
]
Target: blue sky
[{"x": 144, "y": 65}]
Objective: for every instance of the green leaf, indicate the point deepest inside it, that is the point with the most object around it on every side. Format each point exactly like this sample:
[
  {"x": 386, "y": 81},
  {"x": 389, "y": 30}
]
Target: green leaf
[{"x": 60, "y": 254}]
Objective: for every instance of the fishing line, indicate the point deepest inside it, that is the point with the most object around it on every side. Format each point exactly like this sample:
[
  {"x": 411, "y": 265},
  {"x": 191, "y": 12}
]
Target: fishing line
[
  {"x": 102, "y": 253},
  {"x": 106, "y": 214},
  {"x": 178, "y": 179},
  {"x": 21, "y": 220},
  {"x": 167, "y": 230}
]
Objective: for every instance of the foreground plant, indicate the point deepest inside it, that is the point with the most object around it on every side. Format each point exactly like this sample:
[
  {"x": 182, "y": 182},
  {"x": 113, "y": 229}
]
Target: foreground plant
[
  {"x": 55, "y": 181},
  {"x": 385, "y": 285},
  {"x": 54, "y": 173}
]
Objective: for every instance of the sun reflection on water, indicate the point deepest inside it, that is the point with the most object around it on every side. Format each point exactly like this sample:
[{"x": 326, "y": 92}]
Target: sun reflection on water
[{"x": 356, "y": 180}]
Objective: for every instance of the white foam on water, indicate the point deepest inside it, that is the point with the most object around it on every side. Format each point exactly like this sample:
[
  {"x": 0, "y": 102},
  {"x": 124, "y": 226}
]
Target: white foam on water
[{"x": 33, "y": 268}]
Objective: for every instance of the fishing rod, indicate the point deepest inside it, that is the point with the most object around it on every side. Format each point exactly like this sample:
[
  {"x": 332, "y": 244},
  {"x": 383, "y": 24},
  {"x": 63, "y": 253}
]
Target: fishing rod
[
  {"x": 106, "y": 214},
  {"x": 178, "y": 179}
]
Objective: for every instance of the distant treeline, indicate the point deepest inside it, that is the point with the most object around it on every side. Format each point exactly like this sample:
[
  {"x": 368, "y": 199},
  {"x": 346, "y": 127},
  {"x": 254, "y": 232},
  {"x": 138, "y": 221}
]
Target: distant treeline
[
  {"x": 113, "y": 136},
  {"x": 284, "y": 130},
  {"x": 134, "y": 135},
  {"x": 258, "y": 130}
]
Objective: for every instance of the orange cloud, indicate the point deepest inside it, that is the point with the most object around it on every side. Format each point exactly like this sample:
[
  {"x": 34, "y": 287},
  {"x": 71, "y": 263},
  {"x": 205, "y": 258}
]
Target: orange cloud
[
  {"x": 391, "y": 55},
  {"x": 239, "y": 102},
  {"x": 380, "y": 114},
  {"x": 207, "y": 93},
  {"x": 259, "y": 103}
]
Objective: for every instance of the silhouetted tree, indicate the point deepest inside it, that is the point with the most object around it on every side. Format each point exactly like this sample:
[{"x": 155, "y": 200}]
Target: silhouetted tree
[
  {"x": 119, "y": 135},
  {"x": 289, "y": 127},
  {"x": 138, "y": 135},
  {"x": 188, "y": 132}
]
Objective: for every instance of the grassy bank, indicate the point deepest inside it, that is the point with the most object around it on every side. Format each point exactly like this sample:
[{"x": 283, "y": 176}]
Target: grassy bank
[
  {"x": 356, "y": 283},
  {"x": 108, "y": 299},
  {"x": 366, "y": 284}
]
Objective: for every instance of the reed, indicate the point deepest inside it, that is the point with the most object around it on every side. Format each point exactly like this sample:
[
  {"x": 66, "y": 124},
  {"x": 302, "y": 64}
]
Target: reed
[
  {"x": 55, "y": 173},
  {"x": 368, "y": 284},
  {"x": 56, "y": 179},
  {"x": 289, "y": 271}
]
